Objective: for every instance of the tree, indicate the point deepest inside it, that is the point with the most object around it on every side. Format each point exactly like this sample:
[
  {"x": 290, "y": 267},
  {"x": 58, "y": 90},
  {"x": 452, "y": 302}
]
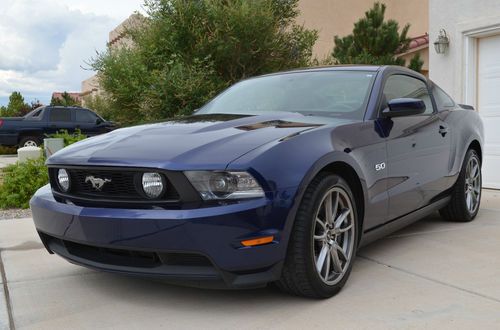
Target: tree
[
  {"x": 16, "y": 106},
  {"x": 185, "y": 52},
  {"x": 65, "y": 100},
  {"x": 416, "y": 63},
  {"x": 373, "y": 41}
]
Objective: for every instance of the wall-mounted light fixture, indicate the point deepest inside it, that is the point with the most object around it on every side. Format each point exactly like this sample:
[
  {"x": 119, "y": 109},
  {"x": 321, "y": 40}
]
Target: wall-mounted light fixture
[{"x": 442, "y": 42}]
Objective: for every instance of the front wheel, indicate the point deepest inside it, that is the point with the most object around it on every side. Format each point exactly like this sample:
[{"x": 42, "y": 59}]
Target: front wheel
[
  {"x": 466, "y": 194},
  {"x": 323, "y": 240}
]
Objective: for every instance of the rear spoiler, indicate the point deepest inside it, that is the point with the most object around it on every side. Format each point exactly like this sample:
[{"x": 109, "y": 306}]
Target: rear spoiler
[{"x": 466, "y": 107}]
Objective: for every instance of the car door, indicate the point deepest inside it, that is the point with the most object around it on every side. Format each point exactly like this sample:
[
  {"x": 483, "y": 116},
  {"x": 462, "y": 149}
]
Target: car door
[
  {"x": 418, "y": 148},
  {"x": 60, "y": 118},
  {"x": 86, "y": 121}
]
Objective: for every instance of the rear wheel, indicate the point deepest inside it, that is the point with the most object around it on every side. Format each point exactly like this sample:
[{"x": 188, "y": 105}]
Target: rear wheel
[
  {"x": 466, "y": 194},
  {"x": 29, "y": 141},
  {"x": 323, "y": 240}
]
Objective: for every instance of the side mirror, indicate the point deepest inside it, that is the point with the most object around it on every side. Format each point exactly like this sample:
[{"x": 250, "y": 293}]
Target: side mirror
[
  {"x": 98, "y": 121},
  {"x": 404, "y": 107}
]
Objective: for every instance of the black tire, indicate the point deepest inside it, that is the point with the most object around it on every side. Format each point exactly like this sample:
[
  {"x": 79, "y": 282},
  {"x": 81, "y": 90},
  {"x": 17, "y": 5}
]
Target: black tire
[
  {"x": 29, "y": 140},
  {"x": 457, "y": 210},
  {"x": 299, "y": 276}
]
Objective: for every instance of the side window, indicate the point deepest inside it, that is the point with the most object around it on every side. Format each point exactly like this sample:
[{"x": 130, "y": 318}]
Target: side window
[
  {"x": 60, "y": 114},
  {"x": 85, "y": 116},
  {"x": 401, "y": 86},
  {"x": 442, "y": 99}
]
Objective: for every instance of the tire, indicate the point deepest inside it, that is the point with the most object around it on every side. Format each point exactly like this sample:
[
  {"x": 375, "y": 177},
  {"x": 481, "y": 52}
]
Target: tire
[
  {"x": 29, "y": 141},
  {"x": 460, "y": 207},
  {"x": 310, "y": 236}
]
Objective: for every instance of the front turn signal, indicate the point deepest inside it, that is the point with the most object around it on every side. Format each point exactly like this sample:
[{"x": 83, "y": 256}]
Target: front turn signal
[{"x": 257, "y": 241}]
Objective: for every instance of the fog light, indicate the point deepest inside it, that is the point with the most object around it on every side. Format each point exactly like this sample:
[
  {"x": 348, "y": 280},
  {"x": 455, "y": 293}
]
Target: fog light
[
  {"x": 152, "y": 184},
  {"x": 63, "y": 179}
]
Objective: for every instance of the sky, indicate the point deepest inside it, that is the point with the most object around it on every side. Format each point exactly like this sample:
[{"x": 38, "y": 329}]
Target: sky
[{"x": 45, "y": 44}]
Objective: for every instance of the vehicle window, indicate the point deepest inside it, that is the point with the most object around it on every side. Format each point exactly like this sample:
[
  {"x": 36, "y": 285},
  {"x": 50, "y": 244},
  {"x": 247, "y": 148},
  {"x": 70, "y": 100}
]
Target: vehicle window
[
  {"x": 442, "y": 99},
  {"x": 401, "y": 86},
  {"x": 36, "y": 113},
  {"x": 324, "y": 93},
  {"x": 60, "y": 114},
  {"x": 85, "y": 116}
]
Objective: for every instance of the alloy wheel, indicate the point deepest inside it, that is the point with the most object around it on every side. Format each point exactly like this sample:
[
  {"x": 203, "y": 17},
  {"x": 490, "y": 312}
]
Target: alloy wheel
[
  {"x": 472, "y": 184},
  {"x": 30, "y": 143},
  {"x": 333, "y": 236}
]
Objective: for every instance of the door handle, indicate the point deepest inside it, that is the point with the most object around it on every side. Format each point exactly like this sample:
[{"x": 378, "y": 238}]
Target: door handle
[{"x": 443, "y": 130}]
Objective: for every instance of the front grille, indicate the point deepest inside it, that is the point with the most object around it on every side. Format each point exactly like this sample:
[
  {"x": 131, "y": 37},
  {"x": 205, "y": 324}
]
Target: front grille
[{"x": 122, "y": 185}]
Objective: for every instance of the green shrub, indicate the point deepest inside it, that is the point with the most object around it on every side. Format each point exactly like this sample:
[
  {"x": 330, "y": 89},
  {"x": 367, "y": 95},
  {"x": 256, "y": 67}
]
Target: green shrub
[
  {"x": 5, "y": 150},
  {"x": 21, "y": 181},
  {"x": 69, "y": 138}
]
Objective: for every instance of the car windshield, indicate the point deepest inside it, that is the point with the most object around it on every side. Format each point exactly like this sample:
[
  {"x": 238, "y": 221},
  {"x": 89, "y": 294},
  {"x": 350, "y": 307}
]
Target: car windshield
[{"x": 325, "y": 93}]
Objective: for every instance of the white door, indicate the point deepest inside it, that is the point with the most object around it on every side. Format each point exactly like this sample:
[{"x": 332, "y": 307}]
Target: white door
[{"x": 488, "y": 104}]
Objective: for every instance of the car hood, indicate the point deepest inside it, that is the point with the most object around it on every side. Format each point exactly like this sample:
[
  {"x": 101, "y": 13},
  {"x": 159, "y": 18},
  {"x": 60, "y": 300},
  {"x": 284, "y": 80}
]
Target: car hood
[{"x": 196, "y": 142}]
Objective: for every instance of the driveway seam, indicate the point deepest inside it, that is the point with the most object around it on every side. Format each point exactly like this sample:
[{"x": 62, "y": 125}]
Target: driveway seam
[
  {"x": 432, "y": 279},
  {"x": 6, "y": 293}
]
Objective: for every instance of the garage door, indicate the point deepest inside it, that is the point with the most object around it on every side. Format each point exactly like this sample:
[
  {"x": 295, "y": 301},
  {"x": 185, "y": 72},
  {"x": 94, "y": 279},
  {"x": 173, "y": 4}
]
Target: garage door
[{"x": 488, "y": 92}]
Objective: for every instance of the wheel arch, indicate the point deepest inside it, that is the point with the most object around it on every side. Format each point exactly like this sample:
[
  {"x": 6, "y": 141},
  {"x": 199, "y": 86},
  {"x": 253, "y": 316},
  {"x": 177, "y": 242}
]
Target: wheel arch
[
  {"x": 34, "y": 133},
  {"x": 348, "y": 173},
  {"x": 341, "y": 164},
  {"x": 476, "y": 146}
]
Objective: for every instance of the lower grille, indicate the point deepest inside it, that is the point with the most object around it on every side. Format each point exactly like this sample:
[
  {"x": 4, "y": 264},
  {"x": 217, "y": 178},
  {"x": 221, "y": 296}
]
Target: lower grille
[{"x": 127, "y": 257}]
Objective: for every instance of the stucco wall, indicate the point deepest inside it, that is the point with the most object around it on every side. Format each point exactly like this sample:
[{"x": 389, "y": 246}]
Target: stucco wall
[
  {"x": 337, "y": 17},
  {"x": 459, "y": 18}
]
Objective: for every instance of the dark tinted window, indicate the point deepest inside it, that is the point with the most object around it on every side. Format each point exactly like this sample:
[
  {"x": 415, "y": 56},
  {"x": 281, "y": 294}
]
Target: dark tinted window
[
  {"x": 35, "y": 114},
  {"x": 85, "y": 116},
  {"x": 60, "y": 114},
  {"x": 442, "y": 99},
  {"x": 400, "y": 86}
]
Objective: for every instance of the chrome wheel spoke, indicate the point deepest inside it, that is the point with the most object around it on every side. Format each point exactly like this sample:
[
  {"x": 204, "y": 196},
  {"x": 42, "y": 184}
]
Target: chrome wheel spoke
[
  {"x": 343, "y": 230},
  {"x": 322, "y": 236},
  {"x": 337, "y": 265},
  {"x": 328, "y": 208},
  {"x": 322, "y": 258},
  {"x": 341, "y": 218}
]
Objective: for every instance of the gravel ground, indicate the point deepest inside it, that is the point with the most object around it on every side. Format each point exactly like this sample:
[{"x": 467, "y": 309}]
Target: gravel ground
[{"x": 15, "y": 214}]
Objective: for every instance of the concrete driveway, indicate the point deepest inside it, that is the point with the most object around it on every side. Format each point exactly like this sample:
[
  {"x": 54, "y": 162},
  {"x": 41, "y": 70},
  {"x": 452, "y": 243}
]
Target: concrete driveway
[{"x": 432, "y": 274}]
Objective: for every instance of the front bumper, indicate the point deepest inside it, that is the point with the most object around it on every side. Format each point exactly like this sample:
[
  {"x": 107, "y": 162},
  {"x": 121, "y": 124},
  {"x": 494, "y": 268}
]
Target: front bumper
[{"x": 142, "y": 242}]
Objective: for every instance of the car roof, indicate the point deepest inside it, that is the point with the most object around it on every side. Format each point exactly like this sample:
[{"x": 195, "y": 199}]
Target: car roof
[{"x": 349, "y": 67}]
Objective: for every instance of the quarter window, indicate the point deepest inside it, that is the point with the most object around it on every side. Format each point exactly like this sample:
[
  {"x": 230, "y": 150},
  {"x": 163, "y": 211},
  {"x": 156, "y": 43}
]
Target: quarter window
[
  {"x": 60, "y": 114},
  {"x": 401, "y": 86},
  {"x": 442, "y": 99}
]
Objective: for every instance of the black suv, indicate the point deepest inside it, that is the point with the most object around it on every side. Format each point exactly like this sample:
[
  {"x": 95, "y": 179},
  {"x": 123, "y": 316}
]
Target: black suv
[{"x": 32, "y": 128}]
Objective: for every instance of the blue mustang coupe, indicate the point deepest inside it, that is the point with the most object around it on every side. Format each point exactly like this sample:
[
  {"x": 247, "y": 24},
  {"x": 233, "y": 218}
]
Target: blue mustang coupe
[{"x": 280, "y": 178}]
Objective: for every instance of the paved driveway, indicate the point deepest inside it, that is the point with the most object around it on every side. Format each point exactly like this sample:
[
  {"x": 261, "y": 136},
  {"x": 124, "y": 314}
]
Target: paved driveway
[{"x": 432, "y": 274}]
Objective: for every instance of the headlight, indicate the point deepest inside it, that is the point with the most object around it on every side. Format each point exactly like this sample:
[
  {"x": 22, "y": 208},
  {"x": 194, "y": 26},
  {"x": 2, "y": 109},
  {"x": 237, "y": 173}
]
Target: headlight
[
  {"x": 152, "y": 184},
  {"x": 63, "y": 179},
  {"x": 217, "y": 185}
]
